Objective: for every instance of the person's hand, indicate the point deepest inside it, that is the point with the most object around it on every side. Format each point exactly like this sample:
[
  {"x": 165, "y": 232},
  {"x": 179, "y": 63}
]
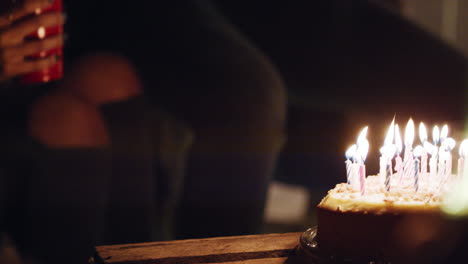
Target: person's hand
[{"x": 15, "y": 26}]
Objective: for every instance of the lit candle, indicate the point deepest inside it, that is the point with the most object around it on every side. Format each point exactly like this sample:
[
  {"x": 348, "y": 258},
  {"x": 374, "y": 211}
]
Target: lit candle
[
  {"x": 441, "y": 165},
  {"x": 362, "y": 150},
  {"x": 408, "y": 157},
  {"x": 432, "y": 150},
  {"x": 399, "y": 148},
  {"x": 442, "y": 155},
  {"x": 383, "y": 163},
  {"x": 423, "y": 138},
  {"x": 355, "y": 184},
  {"x": 384, "y": 160},
  {"x": 463, "y": 151},
  {"x": 449, "y": 145},
  {"x": 436, "y": 135},
  {"x": 443, "y": 134},
  {"x": 349, "y": 155},
  {"x": 435, "y": 152},
  {"x": 389, "y": 153},
  {"x": 417, "y": 153}
]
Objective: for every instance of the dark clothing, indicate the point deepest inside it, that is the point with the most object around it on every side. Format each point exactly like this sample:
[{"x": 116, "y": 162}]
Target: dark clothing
[{"x": 200, "y": 70}]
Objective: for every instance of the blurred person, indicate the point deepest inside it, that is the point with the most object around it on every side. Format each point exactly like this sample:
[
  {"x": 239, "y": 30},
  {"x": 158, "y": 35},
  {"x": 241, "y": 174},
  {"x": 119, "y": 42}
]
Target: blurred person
[
  {"x": 90, "y": 160},
  {"x": 187, "y": 59}
]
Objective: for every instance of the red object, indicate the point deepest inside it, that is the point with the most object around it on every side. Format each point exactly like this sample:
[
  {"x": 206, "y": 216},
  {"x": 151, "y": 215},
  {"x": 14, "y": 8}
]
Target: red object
[{"x": 55, "y": 72}]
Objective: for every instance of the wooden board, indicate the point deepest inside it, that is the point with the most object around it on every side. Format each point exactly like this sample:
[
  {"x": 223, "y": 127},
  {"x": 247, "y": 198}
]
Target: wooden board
[
  {"x": 257, "y": 261},
  {"x": 255, "y": 249}
]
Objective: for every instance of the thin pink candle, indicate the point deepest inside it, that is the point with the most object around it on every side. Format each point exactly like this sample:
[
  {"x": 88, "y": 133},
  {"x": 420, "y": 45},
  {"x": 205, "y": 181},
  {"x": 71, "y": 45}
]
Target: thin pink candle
[
  {"x": 399, "y": 148},
  {"x": 398, "y": 166},
  {"x": 424, "y": 162},
  {"x": 417, "y": 153},
  {"x": 449, "y": 146},
  {"x": 362, "y": 150}
]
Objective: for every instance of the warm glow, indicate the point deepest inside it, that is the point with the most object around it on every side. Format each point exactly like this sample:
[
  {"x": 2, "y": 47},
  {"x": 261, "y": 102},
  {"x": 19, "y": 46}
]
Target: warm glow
[
  {"x": 456, "y": 201},
  {"x": 422, "y": 132},
  {"x": 463, "y": 149},
  {"x": 409, "y": 134},
  {"x": 398, "y": 142},
  {"x": 41, "y": 32},
  {"x": 38, "y": 11}
]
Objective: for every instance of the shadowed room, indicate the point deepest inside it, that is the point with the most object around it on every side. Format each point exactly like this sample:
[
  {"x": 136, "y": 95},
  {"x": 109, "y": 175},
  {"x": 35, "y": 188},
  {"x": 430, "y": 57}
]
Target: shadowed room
[{"x": 206, "y": 131}]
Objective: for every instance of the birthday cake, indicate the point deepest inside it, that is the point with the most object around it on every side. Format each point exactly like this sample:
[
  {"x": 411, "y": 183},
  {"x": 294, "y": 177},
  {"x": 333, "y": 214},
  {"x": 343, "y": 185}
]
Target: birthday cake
[
  {"x": 374, "y": 224},
  {"x": 389, "y": 214}
]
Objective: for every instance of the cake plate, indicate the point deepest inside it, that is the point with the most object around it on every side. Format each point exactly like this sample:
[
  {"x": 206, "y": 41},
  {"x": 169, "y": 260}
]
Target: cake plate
[{"x": 308, "y": 246}]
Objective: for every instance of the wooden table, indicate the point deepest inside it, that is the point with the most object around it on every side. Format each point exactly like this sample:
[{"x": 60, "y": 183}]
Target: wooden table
[{"x": 254, "y": 249}]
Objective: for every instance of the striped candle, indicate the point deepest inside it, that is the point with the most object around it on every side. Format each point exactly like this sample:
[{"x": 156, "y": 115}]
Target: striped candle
[
  {"x": 388, "y": 174},
  {"x": 416, "y": 174}
]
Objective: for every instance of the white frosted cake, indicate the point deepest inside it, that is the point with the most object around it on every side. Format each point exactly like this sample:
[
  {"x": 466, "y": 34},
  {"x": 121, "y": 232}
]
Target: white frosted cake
[{"x": 376, "y": 223}]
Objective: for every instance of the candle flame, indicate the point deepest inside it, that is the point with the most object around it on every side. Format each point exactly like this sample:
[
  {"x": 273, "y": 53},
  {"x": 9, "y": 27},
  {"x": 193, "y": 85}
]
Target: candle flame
[
  {"x": 398, "y": 143},
  {"x": 390, "y": 134},
  {"x": 362, "y": 136},
  {"x": 417, "y": 152},
  {"x": 429, "y": 147},
  {"x": 363, "y": 149},
  {"x": 463, "y": 149},
  {"x": 382, "y": 150},
  {"x": 409, "y": 134},
  {"x": 422, "y": 132},
  {"x": 444, "y": 133},
  {"x": 350, "y": 152},
  {"x": 389, "y": 151},
  {"x": 435, "y": 135},
  {"x": 449, "y": 144}
]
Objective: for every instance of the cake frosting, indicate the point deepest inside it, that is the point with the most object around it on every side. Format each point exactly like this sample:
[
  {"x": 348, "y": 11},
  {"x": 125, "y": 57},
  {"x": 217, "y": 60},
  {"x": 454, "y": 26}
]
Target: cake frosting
[{"x": 400, "y": 198}]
